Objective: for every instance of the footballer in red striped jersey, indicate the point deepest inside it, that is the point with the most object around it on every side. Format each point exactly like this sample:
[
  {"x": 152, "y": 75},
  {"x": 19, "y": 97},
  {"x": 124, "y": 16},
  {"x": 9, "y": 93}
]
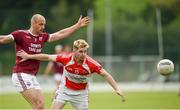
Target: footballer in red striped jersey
[{"x": 78, "y": 67}]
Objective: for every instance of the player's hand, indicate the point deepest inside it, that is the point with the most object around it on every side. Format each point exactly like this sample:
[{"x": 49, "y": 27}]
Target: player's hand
[
  {"x": 121, "y": 94},
  {"x": 83, "y": 21},
  {"x": 23, "y": 55}
]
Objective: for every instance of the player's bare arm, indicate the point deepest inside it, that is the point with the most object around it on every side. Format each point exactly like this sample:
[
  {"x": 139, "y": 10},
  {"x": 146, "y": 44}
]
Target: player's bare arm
[
  {"x": 82, "y": 22},
  {"x": 4, "y": 39},
  {"x": 112, "y": 82},
  {"x": 42, "y": 57}
]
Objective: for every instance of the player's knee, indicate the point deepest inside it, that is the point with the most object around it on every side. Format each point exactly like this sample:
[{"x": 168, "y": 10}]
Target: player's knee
[{"x": 40, "y": 104}]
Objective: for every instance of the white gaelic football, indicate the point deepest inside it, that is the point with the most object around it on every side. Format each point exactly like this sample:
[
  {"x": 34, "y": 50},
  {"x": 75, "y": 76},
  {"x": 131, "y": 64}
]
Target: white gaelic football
[{"x": 165, "y": 67}]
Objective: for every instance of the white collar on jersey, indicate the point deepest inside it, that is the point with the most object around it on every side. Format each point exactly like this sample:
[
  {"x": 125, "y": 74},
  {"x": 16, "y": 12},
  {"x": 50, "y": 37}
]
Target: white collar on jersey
[
  {"x": 72, "y": 61},
  {"x": 84, "y": 64},
  {"x": 32, "y": 33},
  {"x": 83, "y": 61}
]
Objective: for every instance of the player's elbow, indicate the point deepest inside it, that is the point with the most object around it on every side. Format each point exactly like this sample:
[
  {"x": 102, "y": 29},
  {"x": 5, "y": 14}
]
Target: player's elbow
[{"x": 103, "y": 73}]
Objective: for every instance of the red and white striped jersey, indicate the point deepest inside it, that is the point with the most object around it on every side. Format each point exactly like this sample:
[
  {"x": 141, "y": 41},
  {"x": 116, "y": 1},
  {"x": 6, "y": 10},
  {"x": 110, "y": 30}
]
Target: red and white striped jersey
[{"x": 76, "y": 76}]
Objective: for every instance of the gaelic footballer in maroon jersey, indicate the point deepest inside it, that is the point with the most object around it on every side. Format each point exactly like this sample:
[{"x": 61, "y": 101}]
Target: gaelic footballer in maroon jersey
[
  {"x": 32, "y": 41},
  {"x": 25, "y": 40}
]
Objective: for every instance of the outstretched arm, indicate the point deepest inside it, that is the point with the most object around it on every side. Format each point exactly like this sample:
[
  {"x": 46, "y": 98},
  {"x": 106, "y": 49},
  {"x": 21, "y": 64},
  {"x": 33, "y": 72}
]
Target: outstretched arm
[
  {"x": 112, "y": 82},
  {"x": 68, "y": 31},
  {"x": 4, "y": 39},
  {"x": 42, "y": 57}
]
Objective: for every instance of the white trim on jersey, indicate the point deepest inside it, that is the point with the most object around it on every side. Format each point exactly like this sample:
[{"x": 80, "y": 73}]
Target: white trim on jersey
[
  {"x": 50, "y": 35},
  {"x": 53, "y": 57},
  {"x": 32, "y": 33},
  {"x": 10, "y": 35}
]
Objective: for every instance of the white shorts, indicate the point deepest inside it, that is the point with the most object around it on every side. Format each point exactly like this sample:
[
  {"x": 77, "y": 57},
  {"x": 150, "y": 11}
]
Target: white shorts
[
  {"x": 57, "y": 76},
  {"x": 24, "y": 81},
  {"x": 79, "y": 100}
]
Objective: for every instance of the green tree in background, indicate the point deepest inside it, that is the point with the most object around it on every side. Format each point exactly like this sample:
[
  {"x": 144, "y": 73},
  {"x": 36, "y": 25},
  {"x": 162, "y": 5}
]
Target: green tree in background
[{"x": 135, "y": 30}]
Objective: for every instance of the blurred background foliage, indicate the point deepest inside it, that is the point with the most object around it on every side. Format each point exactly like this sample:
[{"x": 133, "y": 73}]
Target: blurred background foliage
[{"x": 134, "y": 30}]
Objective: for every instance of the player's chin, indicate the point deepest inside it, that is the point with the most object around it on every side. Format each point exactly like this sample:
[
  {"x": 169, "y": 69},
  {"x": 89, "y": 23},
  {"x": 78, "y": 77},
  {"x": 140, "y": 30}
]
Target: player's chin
[
  {"x": 82, "y": 58},
  {"x": 41, "y": 31}
]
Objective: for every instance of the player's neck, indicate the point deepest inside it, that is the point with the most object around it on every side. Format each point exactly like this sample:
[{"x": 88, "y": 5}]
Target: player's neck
[
  {"x": 78, "y": 60},
  {"x": 34, "y": 33}
]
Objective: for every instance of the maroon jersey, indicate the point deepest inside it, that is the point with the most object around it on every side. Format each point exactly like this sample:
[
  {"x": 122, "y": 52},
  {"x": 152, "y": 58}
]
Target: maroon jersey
[
  {"x": 31, "y": 44},
  {"x": 58, "y": 68}
]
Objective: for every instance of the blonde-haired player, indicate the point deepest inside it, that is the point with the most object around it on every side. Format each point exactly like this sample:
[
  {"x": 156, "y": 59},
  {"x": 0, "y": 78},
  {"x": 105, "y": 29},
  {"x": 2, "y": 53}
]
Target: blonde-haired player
[{"x": 78, "y": 67}]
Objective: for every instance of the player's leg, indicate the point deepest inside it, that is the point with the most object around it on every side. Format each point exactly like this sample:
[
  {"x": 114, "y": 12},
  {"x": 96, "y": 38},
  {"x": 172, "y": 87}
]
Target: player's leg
[
  {"x": 80, "y": 102},
  {"x": 34, "y": 97},
  {"x": 57, "y": 105},
  {"x": 28, "y": 86},
  {"x": 57, "y": 78},
  {"x": 54, "y": 92},
  {"x": 80, "y": 105},
  {"x": 60, "y": 100}
]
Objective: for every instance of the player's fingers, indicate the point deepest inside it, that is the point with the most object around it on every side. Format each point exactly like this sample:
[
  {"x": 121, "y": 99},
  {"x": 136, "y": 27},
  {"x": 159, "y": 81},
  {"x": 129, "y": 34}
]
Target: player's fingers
[
  {"x": 19, "y": 51},
  {"x": 85, "y": 23},
  {"x": 123, "y": 99},
  {"x": 22, "y": 60},
  {"x": 18, "y": 54},
  {"x": 86, "y": 19}
]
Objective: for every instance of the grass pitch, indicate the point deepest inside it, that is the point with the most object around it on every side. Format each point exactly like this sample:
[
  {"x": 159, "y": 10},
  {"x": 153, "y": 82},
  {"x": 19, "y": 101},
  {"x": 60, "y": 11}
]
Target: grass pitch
[{"x": 105, "y": 100}]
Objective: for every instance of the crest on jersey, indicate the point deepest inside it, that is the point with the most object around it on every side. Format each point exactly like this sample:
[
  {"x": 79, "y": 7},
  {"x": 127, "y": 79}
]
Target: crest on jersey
[{"x": 35, "y": 39}]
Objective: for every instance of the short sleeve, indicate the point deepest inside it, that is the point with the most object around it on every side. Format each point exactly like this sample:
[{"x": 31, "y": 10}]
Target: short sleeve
[
  {"x": 53, "y": 57},
  {"x": 16, "y": 36},
  {"x": 63, "y": 58},
  {"x": 46, "y": 36},
  {"x": 95, "y": 67}
]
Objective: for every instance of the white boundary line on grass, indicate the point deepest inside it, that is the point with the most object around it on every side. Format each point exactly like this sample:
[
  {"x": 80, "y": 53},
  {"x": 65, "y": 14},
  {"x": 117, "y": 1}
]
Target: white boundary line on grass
[{"x": 6, "y": 86}]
